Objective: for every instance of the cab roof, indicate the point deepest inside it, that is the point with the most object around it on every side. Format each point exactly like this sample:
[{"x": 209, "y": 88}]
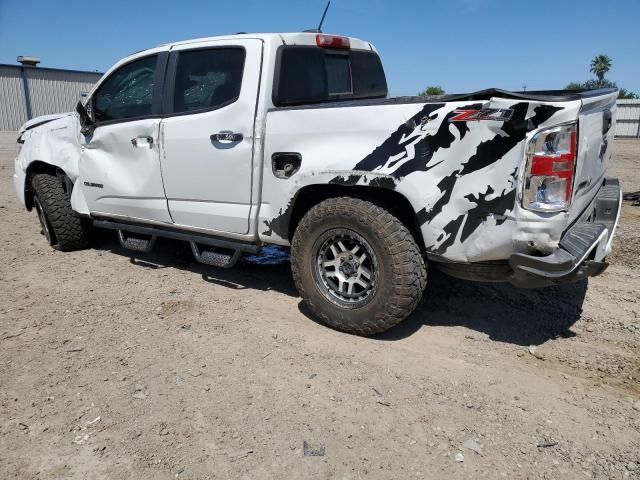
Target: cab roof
[{"x": 291, "y": 38}]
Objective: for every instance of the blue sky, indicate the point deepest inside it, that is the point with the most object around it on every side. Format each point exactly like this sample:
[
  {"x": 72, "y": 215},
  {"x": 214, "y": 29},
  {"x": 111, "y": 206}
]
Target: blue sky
[{"x": 463, "y": 45}]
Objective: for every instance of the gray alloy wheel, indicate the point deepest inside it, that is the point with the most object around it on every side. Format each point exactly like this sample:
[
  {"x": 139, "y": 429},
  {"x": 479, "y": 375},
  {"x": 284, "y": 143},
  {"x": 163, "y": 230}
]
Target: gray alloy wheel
[
  {"x": 44, "y": 224},
  {"x": 346, "y": 268}
]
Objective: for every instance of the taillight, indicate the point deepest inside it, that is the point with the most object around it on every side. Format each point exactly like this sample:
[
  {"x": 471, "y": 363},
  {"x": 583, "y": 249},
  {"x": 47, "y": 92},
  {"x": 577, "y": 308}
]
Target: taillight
[
  {"x": 551, "y": 164},
  {"x": 332, "y": 41}
]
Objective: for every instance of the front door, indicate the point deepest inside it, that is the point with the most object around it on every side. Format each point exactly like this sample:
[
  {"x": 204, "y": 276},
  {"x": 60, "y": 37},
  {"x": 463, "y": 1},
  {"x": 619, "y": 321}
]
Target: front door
[
  {"x": 207, "y": 134},
  {"x": 120, "y": 173}
]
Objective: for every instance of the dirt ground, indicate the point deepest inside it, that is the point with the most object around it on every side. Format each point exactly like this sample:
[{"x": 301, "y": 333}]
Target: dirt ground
[{"x": 116, "y": 366}]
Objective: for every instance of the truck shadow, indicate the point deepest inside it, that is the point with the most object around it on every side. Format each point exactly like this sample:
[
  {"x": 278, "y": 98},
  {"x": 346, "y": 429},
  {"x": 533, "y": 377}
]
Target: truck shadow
[
  {"x": 499, "y": 310},
  {"x": 175, "y": 254},
  {"x": 504, "y": 313}
]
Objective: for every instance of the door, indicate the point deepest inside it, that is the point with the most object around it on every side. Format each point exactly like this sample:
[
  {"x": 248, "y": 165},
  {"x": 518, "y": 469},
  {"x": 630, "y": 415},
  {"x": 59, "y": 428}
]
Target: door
[
  {"x": 207, "y": 134},
  {"x": 120, "y": 164}
]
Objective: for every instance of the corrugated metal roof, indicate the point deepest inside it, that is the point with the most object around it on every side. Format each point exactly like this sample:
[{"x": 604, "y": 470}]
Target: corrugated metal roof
[{"x": 49, "y": 68}]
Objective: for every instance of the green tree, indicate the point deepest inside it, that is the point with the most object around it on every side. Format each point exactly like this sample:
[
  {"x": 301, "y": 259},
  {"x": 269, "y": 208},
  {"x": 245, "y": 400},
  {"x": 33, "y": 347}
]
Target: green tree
[
  {"x": 592, "y": 84},
  {"x": 433, "y": 90},
  {"x": 574, "y": 86},
  {"x": 600, "y": 65},
  {"x": 627, "y": 95}
]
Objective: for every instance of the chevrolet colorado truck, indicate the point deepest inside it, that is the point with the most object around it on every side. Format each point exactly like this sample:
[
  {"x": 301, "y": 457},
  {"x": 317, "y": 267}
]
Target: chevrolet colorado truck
[{"x": 237, "y": 142}]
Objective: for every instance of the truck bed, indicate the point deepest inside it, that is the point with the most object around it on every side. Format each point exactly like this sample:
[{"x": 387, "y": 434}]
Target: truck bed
[
  {"x": 487, "y": 94},
  {"x": 462, "y": 179}
]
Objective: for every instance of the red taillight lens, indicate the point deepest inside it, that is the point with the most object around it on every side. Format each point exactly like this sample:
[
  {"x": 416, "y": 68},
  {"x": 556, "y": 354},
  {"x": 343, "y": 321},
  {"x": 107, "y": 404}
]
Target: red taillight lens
[
  {"x": 332, "y": 41},
  {"x": 551, "y": 164}
]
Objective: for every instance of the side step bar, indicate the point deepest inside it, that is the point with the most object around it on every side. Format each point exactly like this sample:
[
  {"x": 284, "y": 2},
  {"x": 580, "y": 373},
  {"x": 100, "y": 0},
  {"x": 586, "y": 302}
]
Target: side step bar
[
  {"x": 215, "y": 259},
  {"x": 209, "y": 250},
  {"x": 142, "y": 245}
]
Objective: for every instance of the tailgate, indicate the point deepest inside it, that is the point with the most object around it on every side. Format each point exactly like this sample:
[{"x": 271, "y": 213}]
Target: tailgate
[{"x": 596, "y": 122}]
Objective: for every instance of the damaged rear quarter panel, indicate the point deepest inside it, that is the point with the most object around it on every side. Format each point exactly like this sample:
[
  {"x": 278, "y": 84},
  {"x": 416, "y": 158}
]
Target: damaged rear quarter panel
[{"x": 461, "y": 178}]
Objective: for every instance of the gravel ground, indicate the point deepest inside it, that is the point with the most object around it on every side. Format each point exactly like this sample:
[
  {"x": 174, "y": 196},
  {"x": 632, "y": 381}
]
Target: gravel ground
[{"x": 118, "y": 366}]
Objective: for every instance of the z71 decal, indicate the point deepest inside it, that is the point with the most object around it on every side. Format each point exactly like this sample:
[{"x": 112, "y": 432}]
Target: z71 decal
[{"x": 495, "y": 114}]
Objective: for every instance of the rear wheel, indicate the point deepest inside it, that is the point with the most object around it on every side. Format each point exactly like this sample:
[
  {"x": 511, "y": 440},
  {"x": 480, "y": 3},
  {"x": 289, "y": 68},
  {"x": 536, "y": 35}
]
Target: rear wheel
[
  {"x": 357, "y": 267},
  {"x": 62, "y": 228}
]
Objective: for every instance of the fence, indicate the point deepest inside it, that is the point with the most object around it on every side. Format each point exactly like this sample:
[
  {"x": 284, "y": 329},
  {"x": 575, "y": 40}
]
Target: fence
[{"x": 628, "y": 122}]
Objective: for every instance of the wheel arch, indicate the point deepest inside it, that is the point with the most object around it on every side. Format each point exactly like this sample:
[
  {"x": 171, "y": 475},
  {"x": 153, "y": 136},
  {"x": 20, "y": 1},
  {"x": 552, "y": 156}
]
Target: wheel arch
[
  {"x": 36, "y": 167},
  {"x": 391, "y": 200}
]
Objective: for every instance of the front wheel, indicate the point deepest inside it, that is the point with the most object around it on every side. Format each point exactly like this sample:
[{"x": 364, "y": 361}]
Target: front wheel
[
  {"x": 356, "y": 266},
  {"x": 62, "y": 228}
]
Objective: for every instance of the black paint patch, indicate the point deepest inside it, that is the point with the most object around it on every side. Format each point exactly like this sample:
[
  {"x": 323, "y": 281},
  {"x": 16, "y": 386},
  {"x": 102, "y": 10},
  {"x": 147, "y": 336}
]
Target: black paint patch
[
  {"x": 446, "y": 187},
  {"x": 515, "y": 129},
  {"x": 450, "y": 229},
  {"x": 280, "y": 224},
  {"x": 485, "y": 208},
  {"x": 393, "y": 145},
  {"x": 383, "y": 182},
  {"x": 345, "y": 180}
]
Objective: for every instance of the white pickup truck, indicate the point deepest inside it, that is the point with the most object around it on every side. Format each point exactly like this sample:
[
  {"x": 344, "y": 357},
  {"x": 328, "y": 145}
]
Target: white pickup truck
[{"x": 236, "y": 142}]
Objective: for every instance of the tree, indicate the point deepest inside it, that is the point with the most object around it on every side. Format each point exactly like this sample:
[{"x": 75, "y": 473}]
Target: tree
[
  {"x": 600, "y": 65},
  {"x": 433, "y": 90},
  {"x": 593, "y": 84},
  {"x": 574, "y": 86},
  {"x": 627, "y": 95}
]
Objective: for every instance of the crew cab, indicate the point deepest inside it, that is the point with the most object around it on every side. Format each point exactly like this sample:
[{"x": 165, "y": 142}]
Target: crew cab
[{"x": 234, "y": 143}]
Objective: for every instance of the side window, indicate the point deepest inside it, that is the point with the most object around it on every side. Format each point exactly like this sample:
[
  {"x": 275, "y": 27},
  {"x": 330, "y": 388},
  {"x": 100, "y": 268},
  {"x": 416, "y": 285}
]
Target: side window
[
  {"x": 127, "y": 93},
  {"x": 207, "y": 79}
]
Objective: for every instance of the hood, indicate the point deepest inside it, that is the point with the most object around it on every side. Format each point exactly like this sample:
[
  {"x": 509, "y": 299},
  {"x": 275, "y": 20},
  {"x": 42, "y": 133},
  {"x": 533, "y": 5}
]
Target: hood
[{"x": 35, "y": 122}]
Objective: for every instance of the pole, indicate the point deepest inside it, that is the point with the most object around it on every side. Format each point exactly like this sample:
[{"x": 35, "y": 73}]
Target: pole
[{"x": 27, "y": 96}]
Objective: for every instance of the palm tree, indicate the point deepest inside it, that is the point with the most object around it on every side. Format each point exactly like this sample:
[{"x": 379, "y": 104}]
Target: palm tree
[{"x": 600, "y": 65}]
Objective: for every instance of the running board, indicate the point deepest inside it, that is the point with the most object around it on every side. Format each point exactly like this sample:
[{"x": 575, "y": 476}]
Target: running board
[
  {"x": 142, "y": 245},
  {"x": 215, "y": 258},
  {"x": 177, "y": 234}
]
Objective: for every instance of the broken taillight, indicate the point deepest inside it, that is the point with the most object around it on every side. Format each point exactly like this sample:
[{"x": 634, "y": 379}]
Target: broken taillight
[{"x": 551, "y": 165}]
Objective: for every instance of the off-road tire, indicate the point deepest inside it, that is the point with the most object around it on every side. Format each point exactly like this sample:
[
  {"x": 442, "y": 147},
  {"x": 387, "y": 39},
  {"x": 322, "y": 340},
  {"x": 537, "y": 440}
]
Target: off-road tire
[
  {"x": 401, "y": 266},
  {"x": 66, "y": 230}
]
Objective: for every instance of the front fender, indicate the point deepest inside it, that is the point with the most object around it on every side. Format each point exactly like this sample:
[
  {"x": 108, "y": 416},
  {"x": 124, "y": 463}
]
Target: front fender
[{"x": 50, "y": 146}]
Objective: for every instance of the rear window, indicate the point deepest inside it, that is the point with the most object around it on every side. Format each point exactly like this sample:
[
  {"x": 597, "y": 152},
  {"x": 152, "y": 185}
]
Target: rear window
[{"x": 312, "y": 75}]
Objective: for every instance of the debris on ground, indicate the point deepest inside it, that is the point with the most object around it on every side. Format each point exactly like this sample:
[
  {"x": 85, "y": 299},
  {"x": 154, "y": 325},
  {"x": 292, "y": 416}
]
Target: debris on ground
[
  {"x": 239, "y": 455},
  {"x": 313, "y": 450},
  {"x": 474, "y": 446},
  {"x": 533, "y": 350}
]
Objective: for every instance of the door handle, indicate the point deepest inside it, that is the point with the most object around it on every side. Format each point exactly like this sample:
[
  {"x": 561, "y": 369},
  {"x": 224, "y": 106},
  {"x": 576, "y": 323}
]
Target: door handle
[
  {"x": 226, "y": 137},
  {"x": 149, "y": 140}
]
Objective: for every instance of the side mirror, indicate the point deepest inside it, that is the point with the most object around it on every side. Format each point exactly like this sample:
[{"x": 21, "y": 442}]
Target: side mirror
[{"x": 88, "y": 125}]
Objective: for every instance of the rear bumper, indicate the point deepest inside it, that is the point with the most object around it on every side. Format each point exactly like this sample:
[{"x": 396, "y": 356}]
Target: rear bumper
[{"x": 582, "y": 249}]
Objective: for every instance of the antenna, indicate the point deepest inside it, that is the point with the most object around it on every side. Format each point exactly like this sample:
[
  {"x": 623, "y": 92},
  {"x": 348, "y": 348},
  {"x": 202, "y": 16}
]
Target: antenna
[{"x": 324, "y": 15}]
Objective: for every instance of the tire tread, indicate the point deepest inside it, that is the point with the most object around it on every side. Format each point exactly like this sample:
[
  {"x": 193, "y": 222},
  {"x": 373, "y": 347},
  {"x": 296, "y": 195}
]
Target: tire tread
[
  {"x": 68, "y": 229},
  {"x": 409, "y": 275}
]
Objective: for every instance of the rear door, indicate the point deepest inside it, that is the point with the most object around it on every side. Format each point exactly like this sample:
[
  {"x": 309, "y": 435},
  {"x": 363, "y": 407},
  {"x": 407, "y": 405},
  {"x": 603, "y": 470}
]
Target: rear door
[
  {"x": 208, "y": 133},
  {"x": 120, "y": 172}
]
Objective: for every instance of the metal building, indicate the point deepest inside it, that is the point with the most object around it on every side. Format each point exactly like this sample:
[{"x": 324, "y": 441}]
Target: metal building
[
  {"x": 27, "y": 91},
  {"x": 628, "y": 119}
]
